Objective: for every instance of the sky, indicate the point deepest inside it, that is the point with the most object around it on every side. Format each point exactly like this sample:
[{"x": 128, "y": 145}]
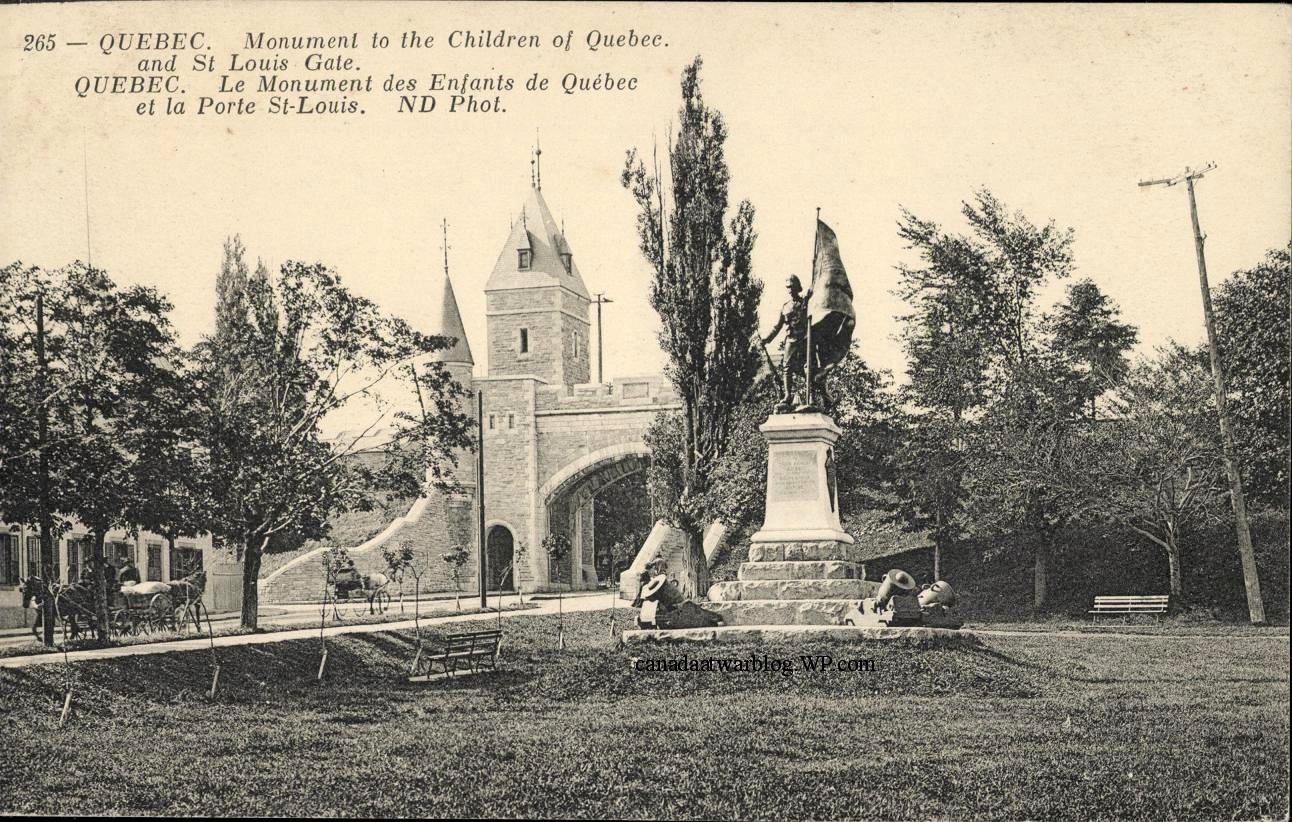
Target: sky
[{"x": 860, "y": 111}]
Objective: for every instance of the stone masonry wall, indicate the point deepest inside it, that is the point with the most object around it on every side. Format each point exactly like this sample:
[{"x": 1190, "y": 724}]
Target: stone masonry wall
[{"x": 432, "y": 527}]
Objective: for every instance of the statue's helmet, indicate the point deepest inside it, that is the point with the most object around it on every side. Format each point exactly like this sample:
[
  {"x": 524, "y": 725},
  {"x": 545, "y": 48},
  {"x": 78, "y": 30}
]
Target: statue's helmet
[{"x": 793, "y": 284}]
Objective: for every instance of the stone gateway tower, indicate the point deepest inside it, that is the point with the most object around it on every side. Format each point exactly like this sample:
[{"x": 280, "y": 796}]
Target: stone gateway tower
[{"x": 552, "y": 439}]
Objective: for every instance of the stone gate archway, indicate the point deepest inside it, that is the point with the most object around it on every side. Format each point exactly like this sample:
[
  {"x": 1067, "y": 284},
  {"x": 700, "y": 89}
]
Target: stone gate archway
[{"x": 568, "y": 499}]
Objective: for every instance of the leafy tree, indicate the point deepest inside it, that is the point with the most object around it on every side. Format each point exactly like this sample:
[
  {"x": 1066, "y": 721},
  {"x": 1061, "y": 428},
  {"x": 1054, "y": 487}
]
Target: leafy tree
[
  {"x": 1090, "y": 341},
  {"x": 972, "y": 339},
  {"x": 558, "y": 547},
  {"x": 519, "y": 560},
  {"x": 866, "y": 411},
  {"x": 456, "y": 558},
  {"x": 1019, "y": 464},
  {"x": 294, "y": 351},
  {"x": 1252, "y": 309},
  {"x": 401, "y": 563},
  {"x": 114, "y": 365},
  {"x": 1155, "y": 466},
  {"x": 704, "y": 292},
  {"x": 623, "y": 521}
]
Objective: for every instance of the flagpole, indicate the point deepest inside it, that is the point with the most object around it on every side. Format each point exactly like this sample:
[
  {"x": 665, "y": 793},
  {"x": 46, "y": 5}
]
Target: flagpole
[{"x": 808, "y": 399}]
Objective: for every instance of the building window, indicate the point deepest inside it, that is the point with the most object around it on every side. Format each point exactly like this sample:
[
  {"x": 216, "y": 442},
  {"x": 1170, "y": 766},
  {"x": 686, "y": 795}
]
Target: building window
[
  {"x": 511, "y": 420},
  {"x": 524, "y": 341},
  {"x": 34, "y": 561},
  {"x": 524, "y": 257},
  {"x": 8, "y": 559},
  {"x": 567, "y": 260},
  {"x": 185, "y": 561},
  {"x": 78, "y": 551},
  {"x": 154, "y": 562},
  {"x": 491, "y": 422},
  {"x": 576, "y": 343},
  {"x": 117, "y": 552}
]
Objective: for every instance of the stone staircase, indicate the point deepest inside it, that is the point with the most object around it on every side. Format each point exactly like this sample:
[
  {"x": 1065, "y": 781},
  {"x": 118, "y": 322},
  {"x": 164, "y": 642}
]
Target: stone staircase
[{"x": 793, "y": 583}]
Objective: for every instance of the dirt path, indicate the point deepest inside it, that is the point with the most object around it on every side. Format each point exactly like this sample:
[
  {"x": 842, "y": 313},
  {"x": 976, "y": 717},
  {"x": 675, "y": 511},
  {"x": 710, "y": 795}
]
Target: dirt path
[{"x": 545, "y": 606}]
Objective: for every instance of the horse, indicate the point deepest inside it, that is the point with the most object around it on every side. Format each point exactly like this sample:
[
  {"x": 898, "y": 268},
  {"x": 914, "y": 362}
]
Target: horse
[
  {"x": 187, "y": 593},
  {"x": 71, "y": 603},
  {"x": 373, "y": 587}
]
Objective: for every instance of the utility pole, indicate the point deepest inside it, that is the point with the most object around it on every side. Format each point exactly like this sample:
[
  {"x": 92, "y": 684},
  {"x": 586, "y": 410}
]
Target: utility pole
[
  {"x": 480, "y": 504},
  {"x": 601, "y": 300},
  {"x": 44, "y": 514},
  {"x": 1255, "y": 606}
]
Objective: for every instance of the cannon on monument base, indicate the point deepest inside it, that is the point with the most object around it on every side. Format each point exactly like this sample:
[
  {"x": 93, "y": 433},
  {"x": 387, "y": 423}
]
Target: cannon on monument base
[
  {"x": 663, "y": 606},
  {"x": 897, "y": 604}
]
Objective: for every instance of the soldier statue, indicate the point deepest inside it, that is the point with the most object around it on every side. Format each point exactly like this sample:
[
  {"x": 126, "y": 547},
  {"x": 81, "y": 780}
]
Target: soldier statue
[
  {"x": 818, "y": 326},
  {"x": 794, "y": 319}
]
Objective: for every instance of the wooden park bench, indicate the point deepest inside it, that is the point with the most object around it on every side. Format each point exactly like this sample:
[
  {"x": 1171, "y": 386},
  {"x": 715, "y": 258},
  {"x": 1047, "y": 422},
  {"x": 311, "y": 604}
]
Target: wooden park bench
[
  {"x": 471, "y": 652},
  {"x": 1125, "y": 605}
]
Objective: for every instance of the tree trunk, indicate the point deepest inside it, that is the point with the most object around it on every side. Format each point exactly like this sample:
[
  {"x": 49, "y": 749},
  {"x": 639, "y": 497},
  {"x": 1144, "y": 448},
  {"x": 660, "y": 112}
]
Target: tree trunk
[
  {"x": 97, "y": 567},
  {"x": 1177, "y": 581},
  {"x": 1040, "y": 578},
  {"x": 697, "y": 567},
  {"x": 251, "y": 555}
]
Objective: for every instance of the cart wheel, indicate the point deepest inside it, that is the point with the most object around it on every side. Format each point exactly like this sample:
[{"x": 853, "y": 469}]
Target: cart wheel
[
  {"x": 381, "y": 601},
  {"x": 161, "y": 612}
]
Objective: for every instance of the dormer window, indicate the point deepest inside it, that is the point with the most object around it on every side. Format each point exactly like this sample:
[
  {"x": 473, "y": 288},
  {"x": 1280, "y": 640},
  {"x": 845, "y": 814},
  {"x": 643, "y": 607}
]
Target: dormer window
[
  {"x": 567, "y": 260},
  {"x": 524, "y": 258}
]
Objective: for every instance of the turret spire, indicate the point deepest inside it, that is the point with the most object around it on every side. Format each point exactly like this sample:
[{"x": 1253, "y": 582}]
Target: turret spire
[
  {"x": 538, "y": 162},
  {"x": 450, "y": 317}
]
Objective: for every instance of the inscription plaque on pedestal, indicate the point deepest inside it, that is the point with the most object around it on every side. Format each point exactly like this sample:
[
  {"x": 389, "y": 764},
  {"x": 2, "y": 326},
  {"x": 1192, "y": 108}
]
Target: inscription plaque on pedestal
[{"x": 793, "y": 476}]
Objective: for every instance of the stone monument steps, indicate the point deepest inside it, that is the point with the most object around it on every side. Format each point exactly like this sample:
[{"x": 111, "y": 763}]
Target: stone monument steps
[
  {"x": 782, "y": 611},
  {"x": 799, "y": 569},
  {"x": 806, "y": 550},
  {"x": 792, "y": 589}
]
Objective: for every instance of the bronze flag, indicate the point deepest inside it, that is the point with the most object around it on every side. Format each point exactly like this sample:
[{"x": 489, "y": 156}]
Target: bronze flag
[{"x": 830, "y": 309}]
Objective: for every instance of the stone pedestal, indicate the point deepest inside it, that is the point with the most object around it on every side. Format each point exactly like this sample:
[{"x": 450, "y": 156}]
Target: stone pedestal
[
  {"x": 802, "y": 497},
  {"x": 802, "y": 569}
]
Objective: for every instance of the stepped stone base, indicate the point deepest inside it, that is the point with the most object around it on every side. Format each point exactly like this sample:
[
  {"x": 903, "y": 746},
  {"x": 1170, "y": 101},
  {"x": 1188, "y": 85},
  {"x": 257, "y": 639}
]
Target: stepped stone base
[
  {"x": 804, "y": 550},
  {"x": 782, "y": 612},
  {"x": 792, "y": 589},
  {"x": 803, "y": 582},
  {"x": 804, "y": 569},
  {"x": 748, "y": 633}
]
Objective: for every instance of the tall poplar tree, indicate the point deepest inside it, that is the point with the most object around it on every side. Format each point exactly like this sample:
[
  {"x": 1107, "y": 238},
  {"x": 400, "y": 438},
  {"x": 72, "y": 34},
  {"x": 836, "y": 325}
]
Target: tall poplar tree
[{"x": 704, "y": 292}]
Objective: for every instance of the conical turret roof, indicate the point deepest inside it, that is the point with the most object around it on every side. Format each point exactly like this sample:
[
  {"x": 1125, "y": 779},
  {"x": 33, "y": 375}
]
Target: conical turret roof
[
  {"x": 538, "y": 233},
  {"x": 451, "y": 326}
]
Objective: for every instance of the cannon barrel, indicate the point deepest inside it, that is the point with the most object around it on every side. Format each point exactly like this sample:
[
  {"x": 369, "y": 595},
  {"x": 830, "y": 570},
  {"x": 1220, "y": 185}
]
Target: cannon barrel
[
  {"x": 896, "y": 581},
  {"x": 939, "y": 593}
]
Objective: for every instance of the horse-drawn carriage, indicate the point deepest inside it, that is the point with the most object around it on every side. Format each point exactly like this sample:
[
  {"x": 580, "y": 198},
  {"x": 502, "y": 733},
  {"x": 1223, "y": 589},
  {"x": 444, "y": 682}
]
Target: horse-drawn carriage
[
  {"x": 346, "y": 584},
  {"x": 133, "y": 609}
]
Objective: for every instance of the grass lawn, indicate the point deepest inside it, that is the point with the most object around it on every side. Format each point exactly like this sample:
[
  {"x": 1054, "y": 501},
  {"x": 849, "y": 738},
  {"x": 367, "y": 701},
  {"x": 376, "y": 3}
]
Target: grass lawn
[{"x": 1011, "y": 727}]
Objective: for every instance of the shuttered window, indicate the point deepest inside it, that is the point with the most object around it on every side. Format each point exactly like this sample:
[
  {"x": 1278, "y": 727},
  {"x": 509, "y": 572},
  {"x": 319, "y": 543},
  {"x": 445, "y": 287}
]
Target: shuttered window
[
  {"x": 154, "y": 562},
  {"x": 8, "y": 559}
]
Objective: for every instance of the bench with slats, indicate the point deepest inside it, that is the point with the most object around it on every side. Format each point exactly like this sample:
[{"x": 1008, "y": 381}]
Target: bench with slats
[
  {"x": 472, "y": 652},
  {"x": 1126, "y": 605}
]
